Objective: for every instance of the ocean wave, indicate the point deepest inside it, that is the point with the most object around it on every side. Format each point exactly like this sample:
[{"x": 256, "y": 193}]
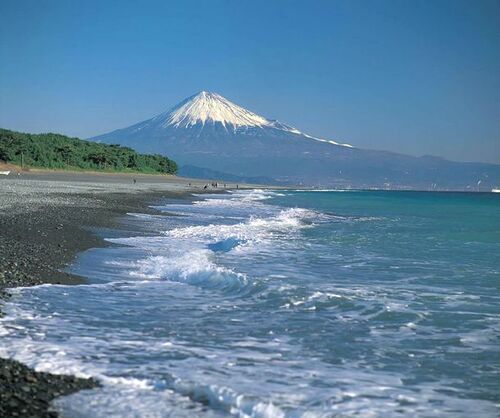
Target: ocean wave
[
  {"x": 255, "y": 229},
  {"x": 187, "y": 254},
  {"x": 255, "y": 194},
  {"x": 226, "y": 399},
  {"x": 322, "y": 190},
  {"x": 196, "y": 267},
  {"x": 171, "y": 398},
  {"x": 129, "y": 402}
]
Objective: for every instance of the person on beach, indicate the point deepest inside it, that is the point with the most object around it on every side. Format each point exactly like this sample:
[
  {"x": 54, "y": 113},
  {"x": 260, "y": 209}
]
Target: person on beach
[{"x": 135, "y": 181}]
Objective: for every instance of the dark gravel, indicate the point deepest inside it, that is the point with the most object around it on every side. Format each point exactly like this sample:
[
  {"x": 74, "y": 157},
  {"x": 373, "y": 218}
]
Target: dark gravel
[{"x": 26, "y": 393}]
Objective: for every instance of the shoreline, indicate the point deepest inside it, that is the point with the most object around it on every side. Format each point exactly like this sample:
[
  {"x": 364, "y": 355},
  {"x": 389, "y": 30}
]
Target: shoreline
[{"x": 46, "y": 219}]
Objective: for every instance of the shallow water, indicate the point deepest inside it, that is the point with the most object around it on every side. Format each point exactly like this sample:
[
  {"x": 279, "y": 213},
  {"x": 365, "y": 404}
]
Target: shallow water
[{"x": 260, "y": 303}]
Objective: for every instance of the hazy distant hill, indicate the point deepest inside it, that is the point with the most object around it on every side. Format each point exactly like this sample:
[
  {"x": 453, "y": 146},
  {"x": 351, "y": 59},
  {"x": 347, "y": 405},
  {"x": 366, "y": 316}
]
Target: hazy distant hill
[
  {"x": 207, "y": 173},
  {"x": 207, "y": 130}
]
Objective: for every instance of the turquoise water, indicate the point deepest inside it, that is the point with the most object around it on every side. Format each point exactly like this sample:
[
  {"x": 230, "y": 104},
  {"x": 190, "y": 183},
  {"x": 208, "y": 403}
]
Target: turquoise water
[{"x": 260, "y": 303}]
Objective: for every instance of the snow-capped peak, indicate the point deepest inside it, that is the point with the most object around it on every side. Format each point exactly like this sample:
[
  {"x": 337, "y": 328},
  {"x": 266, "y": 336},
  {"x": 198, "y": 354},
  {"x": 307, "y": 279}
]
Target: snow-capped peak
[
  {"x": 206, "y": 107},
  {"x": 209, "y": 108}
]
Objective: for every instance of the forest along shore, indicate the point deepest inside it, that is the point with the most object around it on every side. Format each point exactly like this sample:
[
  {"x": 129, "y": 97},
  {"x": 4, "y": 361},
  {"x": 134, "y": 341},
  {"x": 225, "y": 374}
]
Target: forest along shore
[{"x": 44, "y": 221}]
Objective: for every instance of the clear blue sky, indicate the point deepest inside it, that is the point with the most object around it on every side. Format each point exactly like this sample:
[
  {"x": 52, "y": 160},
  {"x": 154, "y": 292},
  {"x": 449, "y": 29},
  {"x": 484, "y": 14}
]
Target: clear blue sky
[{"x": 418, "y": 77}]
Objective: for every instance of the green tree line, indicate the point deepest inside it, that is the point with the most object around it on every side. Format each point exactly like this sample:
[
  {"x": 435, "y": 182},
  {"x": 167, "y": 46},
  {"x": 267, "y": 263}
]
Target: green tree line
[{"x": 59, "y": 151}]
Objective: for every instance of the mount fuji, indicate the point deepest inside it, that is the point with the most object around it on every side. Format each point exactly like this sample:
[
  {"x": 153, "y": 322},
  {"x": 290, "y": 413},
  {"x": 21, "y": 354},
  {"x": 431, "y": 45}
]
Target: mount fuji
[{"x": 206, "y": 133}]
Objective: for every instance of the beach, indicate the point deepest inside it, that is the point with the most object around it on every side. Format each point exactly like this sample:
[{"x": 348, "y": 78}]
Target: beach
[
  {"x": 230, "y": 304},
  {"x": 46, "y": 218}
]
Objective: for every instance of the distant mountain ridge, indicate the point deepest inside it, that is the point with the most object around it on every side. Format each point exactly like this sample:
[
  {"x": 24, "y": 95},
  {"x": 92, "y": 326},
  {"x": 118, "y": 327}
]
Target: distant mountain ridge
[{"x": 207, "y": 130}]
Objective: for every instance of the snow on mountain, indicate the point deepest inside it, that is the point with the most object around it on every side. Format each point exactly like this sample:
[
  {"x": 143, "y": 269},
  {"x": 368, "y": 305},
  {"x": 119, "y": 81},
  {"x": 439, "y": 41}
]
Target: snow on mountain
[{"x": 207, "y": 108}]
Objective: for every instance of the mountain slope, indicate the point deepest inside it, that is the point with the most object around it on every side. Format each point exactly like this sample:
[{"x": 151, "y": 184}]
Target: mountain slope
[{"x": 207, "y": 130}]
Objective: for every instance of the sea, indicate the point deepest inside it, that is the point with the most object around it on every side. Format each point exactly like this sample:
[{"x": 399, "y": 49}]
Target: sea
[{"x": 284, "y": 303}]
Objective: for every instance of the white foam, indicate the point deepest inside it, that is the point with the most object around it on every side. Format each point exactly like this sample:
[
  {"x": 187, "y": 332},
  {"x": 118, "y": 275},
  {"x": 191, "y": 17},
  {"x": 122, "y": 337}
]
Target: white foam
[
  {"x": 127, "y": 398},
  {"x": 195, "y": 268},
  {"x": 311, "y": 301},
  {"x": 254, "y": 229},
  {"x": 182, "y": 254},
  {"x": 228, "y": 400},
  {"x": 129, "y": 402},
  {"x": 323, "y": 190}
]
